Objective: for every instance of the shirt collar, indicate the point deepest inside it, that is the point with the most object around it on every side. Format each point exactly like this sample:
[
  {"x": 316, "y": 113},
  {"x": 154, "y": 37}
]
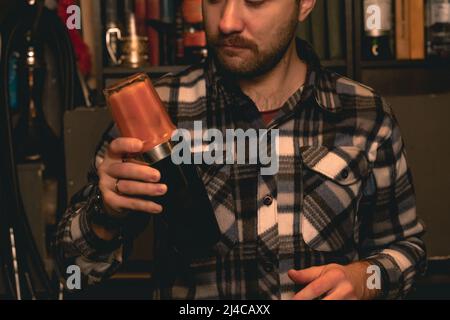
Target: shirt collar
[{"x": 320, "y": 85}]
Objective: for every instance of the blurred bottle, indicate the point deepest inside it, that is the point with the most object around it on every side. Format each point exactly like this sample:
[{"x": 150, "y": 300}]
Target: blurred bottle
[
  {"x": 113, "y": 32},
  {"x": 378, "y": 29},
  {"x": 194, "y": 37},
  {"x": 153, "y": 14},
  {"x": 438, "y": 26},
  {"x": 168, "y": 11},
  {"x": 34, "y": 140},
  {"x": 13, "y": 81},
  {"x": 132, "y": 50},
  {"x": 179, "y": 35}
]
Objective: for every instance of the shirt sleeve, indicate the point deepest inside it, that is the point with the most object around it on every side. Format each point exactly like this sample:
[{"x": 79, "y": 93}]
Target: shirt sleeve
[
  {"x": 390, "y": 234},
  {"x": 77, "y": 244}
]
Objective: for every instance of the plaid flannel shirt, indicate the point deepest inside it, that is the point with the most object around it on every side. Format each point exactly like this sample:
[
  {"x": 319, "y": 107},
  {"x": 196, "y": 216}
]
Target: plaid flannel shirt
[{"x": 343, "y": 193}]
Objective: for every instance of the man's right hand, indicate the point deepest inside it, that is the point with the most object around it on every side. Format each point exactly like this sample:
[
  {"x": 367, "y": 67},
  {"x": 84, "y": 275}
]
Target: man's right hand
[{"x": 133, "y": 180}]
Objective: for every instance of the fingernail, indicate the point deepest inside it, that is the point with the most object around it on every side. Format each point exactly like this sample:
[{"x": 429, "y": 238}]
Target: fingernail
[
  {"x": 156, "y": 176},
  {"x": 139, "y": 144},
  {"x": 162, "y": 188}
]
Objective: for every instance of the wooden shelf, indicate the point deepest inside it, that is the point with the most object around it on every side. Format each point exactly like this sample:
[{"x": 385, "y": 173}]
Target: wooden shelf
[
  {"x": 113, "y": 72},
  {"x": 334, "y": 63},
  {"x": 405, "y": 64},
  {"x": 154, "y": 70}
]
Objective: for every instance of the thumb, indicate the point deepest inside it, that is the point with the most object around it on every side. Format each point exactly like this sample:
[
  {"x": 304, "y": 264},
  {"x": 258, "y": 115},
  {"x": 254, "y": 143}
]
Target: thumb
[
  {"x": 122, "y": 146},
  {"x": 306, "y": 275}
]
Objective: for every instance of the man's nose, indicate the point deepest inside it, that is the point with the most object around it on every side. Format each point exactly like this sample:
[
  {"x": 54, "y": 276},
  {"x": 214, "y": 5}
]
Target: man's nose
[{"x": 231, "y": 20}]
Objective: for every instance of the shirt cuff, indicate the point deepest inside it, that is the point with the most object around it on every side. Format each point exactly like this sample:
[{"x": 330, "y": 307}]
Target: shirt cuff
[
  {"x": 392, "y": 281},
  {"x": 85, "y": 239}
]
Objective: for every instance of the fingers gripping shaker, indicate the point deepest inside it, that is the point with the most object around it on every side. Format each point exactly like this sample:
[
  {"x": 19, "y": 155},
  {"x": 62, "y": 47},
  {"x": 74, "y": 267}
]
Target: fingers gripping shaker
[{"x": 187, "y": 212}]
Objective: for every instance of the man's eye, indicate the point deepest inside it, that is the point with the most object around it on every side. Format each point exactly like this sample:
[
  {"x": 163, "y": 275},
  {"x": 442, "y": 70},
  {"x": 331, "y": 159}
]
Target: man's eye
[{"x": 255, "y": 2}]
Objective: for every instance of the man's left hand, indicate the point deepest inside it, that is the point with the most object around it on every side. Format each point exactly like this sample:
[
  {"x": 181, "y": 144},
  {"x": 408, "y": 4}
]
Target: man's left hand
[{"x": 333, "y": 282}]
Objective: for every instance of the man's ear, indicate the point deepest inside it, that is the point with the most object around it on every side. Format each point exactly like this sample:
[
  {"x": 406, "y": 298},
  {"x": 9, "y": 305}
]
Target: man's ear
[{"x": 305, "y": 8}]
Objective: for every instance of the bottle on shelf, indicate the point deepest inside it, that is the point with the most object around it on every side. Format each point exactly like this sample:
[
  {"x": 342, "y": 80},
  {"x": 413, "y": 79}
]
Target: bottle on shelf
[
  {"x": 378, "y": 29},
  {"x": 179, "y": 36},
  {"x": 13, "y": 77},
  {"x": 153, "y": 14},
  {"x": 34, "y": 140},
  {"x": 194, "y": 37},
  {"x": 167, "y": 33},
  {"x": 113, "y": 32},
  {"x": 438, "y": 28}
]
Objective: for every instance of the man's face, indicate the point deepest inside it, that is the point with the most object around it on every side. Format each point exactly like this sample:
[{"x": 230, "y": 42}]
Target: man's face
[{"x": 249, "y": 37}]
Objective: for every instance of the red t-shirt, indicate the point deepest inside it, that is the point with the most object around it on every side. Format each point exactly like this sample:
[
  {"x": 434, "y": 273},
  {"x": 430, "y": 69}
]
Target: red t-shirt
[{"x": 268, "y": 116}]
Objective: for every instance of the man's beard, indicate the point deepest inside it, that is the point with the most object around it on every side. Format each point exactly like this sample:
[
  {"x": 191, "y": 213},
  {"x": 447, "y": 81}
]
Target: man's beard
[{"x": 261, "y": 62}]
